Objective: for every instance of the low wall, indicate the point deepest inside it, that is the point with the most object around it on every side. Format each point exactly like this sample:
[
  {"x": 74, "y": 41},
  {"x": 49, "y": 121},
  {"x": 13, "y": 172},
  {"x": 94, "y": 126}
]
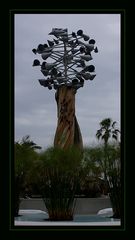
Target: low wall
[{"x": 83, "y": 205}]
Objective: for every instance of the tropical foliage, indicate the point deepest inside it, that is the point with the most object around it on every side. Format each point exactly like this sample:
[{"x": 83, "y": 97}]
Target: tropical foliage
[
  {"x": 59, "y": 174},
  {"x": 25, "y": 155},
  {"x": 107, "y": 130},
  {"x": 110, "y": 163},
  {"x": 91, "y": 183}
]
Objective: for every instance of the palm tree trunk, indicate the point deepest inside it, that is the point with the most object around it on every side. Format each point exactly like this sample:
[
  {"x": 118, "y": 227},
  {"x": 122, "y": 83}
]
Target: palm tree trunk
[
  {"x": 115, "y": 197},
  {"x": 17, "y": 197},
  {"x": 68, "y": 132}
]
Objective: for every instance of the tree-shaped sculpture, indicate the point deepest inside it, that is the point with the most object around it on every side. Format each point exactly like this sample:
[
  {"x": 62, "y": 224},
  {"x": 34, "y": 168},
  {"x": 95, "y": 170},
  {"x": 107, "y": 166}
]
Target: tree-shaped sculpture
[{"x": 69, "y": 54}]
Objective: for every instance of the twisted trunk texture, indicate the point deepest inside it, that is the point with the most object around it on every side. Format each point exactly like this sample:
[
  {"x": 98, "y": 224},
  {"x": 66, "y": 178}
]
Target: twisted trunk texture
[{"x": 68, "y": 131}]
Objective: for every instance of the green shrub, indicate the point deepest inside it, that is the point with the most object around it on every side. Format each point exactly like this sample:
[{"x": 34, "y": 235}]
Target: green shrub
[{"x": 59, "y": 174}]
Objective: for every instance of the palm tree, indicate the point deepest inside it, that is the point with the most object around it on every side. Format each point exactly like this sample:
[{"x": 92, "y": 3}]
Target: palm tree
[
  {"x": 25, "y": 155},
  {"x": 107, "y": 130},
  {"x": 112, "y": 180},
  {"x": 26, "y": 142}
]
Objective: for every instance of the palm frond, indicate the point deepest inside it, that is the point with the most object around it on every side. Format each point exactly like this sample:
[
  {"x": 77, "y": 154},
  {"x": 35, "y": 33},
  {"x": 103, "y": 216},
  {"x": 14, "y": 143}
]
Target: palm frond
[
  {"x": 113, "y": 124},
  {"x": 115, "y": 136}
]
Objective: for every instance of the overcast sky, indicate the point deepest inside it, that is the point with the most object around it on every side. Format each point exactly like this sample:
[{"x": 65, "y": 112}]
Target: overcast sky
[{"x": 35, "y": 106}]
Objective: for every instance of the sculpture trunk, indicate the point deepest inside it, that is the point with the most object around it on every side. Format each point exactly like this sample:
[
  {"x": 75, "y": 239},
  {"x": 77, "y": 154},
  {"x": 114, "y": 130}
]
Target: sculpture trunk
[{"x": 68, "y": 132}]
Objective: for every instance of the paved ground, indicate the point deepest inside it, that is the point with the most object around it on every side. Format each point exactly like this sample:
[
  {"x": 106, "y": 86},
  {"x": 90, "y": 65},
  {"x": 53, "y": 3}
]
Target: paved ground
[
  {"x": 21, "y": 223},
  {"x": 83, "y": 205},
  {"x": 40, "y": 218}
]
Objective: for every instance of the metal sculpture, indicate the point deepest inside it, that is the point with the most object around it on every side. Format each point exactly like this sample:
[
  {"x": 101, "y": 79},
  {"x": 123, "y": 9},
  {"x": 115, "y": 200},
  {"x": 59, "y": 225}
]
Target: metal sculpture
[{"x": 66, "y": 74}]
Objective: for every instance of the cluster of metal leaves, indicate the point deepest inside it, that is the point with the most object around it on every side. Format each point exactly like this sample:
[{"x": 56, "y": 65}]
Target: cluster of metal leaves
[{"x": 70, "y": 54}]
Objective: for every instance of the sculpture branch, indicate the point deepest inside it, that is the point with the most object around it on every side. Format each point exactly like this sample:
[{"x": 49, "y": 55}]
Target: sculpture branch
[{"x": 70, "y": 52}]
